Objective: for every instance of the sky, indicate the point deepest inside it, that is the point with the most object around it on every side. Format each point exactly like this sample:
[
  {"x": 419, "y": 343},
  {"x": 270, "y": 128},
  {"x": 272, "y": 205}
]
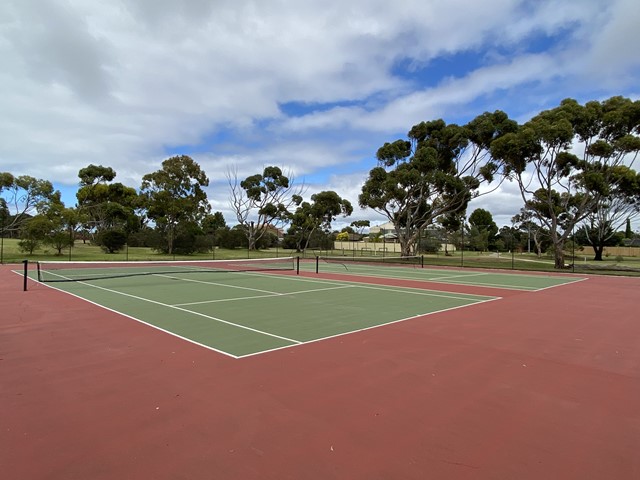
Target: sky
[{"x": 312, "y": 87}]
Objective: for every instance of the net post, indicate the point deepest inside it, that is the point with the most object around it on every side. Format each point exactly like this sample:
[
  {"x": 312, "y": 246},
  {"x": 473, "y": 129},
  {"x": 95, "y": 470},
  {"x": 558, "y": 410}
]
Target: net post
[
  {"x": 297, "y": 265},
  {"x": 25, "y": 276},
  {"x": 421, "y": 261},
  {"x": 317, "y": 263}
]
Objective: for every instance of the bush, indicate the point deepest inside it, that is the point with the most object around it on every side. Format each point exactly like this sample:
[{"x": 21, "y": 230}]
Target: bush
[
  {"x": 619, "y": 258},
  {"x": 203, "y": 244},
  {"x": 145, "y": 238},
  {"x": 59, "y": 240},
  {"x": 28, "y": 245},
  {"x": 290, "y": 242},
  {"x": 429, "y": 245},
  {"x": 112, "y": 241},
  {"x": 231, "y": 238},
  {"x": 268, "y": 240}
]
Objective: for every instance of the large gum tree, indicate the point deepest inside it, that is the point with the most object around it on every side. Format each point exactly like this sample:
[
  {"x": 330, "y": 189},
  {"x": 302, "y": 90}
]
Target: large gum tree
[
  {"x": 174, "y": 196},
  {"x": 21, "y": 197},
  {"x": 316, "y": 215},
  {"x": 433, "y": 174},
  {"x": 263, "y": 201},
  {"x": 566, "y": 162}
]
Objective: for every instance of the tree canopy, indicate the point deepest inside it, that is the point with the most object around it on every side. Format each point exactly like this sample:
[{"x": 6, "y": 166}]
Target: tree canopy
[
  {"x": 103, "y": 205},
  {"x": 24, "y": 196},
  {"x": 262, "y": 201},
  {"x": 174, "y": 196},
  {"x": 435, "y": 173},
  {"x": 318, "y": 214},
  {"x": 564, "y": 161},
  {"x": 483, "y": 230}
]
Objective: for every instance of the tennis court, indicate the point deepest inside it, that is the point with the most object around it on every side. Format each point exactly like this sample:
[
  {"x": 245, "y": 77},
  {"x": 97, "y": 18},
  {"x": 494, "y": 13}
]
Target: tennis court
[
  {"x": 411, "y": 268},
  {"x": 537, "y": 384},
  {"x": 242, "y": 308}
]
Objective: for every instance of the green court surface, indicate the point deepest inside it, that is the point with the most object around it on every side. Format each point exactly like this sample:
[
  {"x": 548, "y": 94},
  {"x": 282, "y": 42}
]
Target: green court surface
[
  {"x": 511, "y": 281},
  {"x": 245, "y": 313}
]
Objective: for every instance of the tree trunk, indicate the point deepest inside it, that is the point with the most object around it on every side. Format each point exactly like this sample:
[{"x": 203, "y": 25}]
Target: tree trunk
[
  {"x": 558, "y": 249},
  {"x": 405, "y": 246},
  {"x": 598, "y": 252},
  {"x": 170, "y": 234},
  {"x": 559, "y": 259},
  {"x": 251, "y": 238}
]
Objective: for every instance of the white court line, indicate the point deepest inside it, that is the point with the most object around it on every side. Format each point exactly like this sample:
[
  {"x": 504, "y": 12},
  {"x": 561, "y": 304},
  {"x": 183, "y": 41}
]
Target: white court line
[
  {"x": 263, "y": 296},
  {"x": 502, "y": 286},
  {"x": 464, "y": 275},
  {"x": 561, "y": 284},
  {"x": 367, "y": 271},
  {"x": 375, "y": 286},
  {"x": 217, "y": 284},
  {"x": 370, "y": 328}
]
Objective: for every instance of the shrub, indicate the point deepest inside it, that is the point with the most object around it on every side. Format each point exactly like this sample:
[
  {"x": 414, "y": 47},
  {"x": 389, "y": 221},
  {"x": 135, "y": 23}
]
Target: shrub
[
  {"x": 28, "y": 245},
  {"x": 112, "y": 241}
]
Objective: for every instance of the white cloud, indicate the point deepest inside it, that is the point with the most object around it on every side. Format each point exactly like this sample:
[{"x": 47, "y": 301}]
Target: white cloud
[
  {"x": 125, "y": 84},
  {"x": 612, "y": 54}
]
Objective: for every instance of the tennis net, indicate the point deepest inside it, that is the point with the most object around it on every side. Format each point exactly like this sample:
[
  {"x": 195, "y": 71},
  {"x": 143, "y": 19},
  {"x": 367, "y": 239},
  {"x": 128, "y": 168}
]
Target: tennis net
[
  {"x": 414, "y": 261},
  {"x": 62, "y": 271}
]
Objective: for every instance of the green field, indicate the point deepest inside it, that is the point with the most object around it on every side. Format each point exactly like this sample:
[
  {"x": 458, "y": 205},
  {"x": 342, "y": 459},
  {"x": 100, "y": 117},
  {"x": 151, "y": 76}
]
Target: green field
[
  {"x": 87, "y": 252},
  {"x": 519, "y": 261}
]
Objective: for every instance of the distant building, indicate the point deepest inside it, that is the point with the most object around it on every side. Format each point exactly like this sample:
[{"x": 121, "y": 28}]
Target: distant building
[{"x": 385, "y": 228}]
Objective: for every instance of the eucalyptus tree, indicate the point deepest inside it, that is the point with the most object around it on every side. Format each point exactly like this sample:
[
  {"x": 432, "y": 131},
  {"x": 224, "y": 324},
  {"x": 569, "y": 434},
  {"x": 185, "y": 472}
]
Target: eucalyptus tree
[
  {"x": 318, "y": 214},
  {"x": 615, "y": 209},
  {"x": 483, "y": 230},
  {"x": 174, "y": 197},
  {"x": 263, "y": 201},
  {"x": 104, "y": 205},
  {"x": 63, "y": 222},
  {"x": 23, "y": 197},
  {"x": 527, "y": 221},
  {"x": 565, "y": 160},
  {"x": 5, "y": 215},
  {"x": 54, "y": 226},
  {"x": 360, "y": 225},
  {"x": 435, "y": 173},
  {"x": 212, "y": 224}
]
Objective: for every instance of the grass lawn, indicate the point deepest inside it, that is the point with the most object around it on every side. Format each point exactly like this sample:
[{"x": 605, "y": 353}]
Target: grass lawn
[
  {"x": 520, "y": 261},
  {"x": 86, "y": 252}
]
